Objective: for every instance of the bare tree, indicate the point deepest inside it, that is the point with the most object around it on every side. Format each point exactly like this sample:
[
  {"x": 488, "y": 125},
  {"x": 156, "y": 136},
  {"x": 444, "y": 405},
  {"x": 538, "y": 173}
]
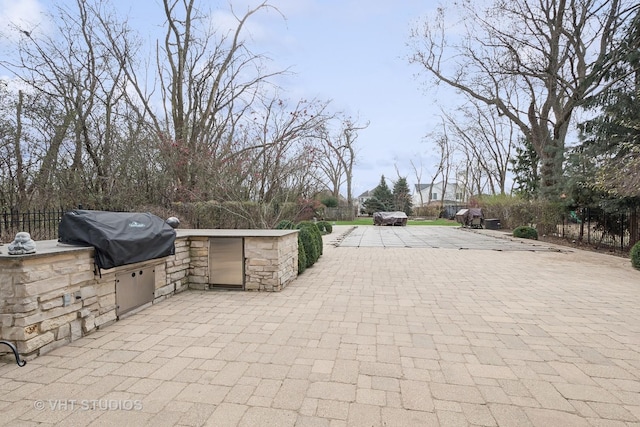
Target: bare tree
[
  {"x": 272, "y": 161},
  {"x": 417, "y": 171},
  {"x": 350, "y": 133},
  {"x": 285, "y": 137},
  {"x": 331, "y": 169},
  {"x": 486, "y": 140},
  {"x": 73, "y": 83},
  {"x": 434, "y": 176},
  {"x": 471, "y": 173},
  {"x": 207, "y": 125},
  {"x": 207, "y": 83},
  {"x": 13, "y": 173},
  {"x": 550, "y": 54},
  {"x": 442, "y": 169},
  {"x": 446, "y": 150},
  {"x": 343, "y": 149}
]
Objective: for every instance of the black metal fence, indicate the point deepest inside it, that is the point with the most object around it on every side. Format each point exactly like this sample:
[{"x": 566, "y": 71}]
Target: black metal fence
[
  {"x": 41, "y": 224},
  {"x": 615, "y": 230}
]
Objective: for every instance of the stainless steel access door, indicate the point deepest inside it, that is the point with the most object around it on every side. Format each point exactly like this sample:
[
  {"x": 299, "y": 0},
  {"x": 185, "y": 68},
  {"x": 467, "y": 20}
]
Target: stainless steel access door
[
  {"x": 134, "y": 288},
  {"x": 226, "y": 261}
]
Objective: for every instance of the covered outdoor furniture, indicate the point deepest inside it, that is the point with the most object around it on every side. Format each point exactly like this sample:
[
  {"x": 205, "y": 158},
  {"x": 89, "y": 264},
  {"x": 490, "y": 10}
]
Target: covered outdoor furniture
[
  {"x": 471, "y": 217},
  {"x": 390, "y": 218}
]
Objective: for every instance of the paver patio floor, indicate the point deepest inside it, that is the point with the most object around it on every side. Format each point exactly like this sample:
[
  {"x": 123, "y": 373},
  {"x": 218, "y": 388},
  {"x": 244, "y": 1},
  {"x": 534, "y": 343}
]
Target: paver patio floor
[
  {"x": 436, "y": 237},
  {"x": 369, "y": 336}
]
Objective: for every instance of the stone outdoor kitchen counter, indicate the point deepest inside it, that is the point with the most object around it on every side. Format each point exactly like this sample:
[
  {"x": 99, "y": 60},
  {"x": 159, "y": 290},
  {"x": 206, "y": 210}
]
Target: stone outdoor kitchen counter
[{"x": 56, "y": 295}]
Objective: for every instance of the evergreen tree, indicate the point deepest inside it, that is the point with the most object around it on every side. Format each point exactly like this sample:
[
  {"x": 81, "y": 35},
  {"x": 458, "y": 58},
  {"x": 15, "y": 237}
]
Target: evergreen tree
[
  {"x": 372, "y": 205},
  {"x": 525, "y": 166},
  {"x": 402, "y": 197},
  {"x": 581, "y": 167},
  {"x": 383, "y": 194},
  {"x": 381, "y": 200},
  {"x": 613, "y": 137}
]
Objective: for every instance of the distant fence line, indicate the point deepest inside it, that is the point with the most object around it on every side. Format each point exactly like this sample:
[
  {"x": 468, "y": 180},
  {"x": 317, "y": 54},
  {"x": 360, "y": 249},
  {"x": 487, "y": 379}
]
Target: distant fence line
[{"x": 339, "y": 214}]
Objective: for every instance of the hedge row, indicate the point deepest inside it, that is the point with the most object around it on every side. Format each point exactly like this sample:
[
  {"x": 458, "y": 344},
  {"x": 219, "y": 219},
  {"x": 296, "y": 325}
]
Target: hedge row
[
  {"x": 234, "y": 215},
  {"x": 514, "y": 212}
]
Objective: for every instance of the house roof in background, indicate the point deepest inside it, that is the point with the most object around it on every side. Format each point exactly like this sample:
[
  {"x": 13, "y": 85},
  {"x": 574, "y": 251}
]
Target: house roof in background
[{"x": 420, "y": 187}]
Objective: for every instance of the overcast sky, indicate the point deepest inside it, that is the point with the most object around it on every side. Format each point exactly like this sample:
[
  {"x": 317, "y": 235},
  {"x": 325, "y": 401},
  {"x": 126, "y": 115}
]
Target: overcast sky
[{"x": 352, "y": 52}]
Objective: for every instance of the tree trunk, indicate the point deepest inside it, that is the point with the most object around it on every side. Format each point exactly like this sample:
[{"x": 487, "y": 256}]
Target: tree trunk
[{"x": 20, "y": 178}]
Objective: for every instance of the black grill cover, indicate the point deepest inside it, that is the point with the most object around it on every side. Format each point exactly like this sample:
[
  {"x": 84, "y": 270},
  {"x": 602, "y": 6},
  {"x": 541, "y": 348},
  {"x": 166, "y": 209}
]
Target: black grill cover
[{"x": 119, "y": 238}]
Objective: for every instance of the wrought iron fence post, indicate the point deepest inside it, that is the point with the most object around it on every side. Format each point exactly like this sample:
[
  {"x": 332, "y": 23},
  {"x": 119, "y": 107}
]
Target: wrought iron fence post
[
  {"x": 589, "y": 225},
  {"x": 622, "y": 229}
]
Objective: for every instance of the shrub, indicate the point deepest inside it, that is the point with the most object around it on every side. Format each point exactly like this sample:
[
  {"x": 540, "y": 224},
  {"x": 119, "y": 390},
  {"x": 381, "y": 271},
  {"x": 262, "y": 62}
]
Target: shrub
[
  {"x": 511, "y": 210},
  {"x": 549, "y": 216},
  {"x": 305, "y": 236},
  {"x": 428, "y": 212},
  {"x": 325, "y": 227},
  {"x": 330, "y": 202},
  {"x": 525, "y": 232},
  {"x": 315, "y": 231},
  {"x": 306, "y": 224},
  {"x": 285, "y": 224},
  {"x": 302, "y": 256},
  {"x": 635, "y": 255}
]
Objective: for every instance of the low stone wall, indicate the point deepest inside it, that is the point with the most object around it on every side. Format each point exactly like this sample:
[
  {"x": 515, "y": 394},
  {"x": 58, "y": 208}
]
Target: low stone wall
[
  {"x": 53, "y": 297},
  {"x": 270, "y": 264},
  {"x": 270, "y": 258}
]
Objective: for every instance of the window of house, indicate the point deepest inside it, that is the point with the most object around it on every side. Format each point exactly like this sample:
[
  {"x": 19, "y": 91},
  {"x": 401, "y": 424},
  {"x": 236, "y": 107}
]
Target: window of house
[
  {"x": 434, "y": 196},
  {"x": 458, "y": 196}
]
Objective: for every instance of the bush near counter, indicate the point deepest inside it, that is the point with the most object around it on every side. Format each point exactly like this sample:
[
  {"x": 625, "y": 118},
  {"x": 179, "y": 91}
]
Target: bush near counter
[
  {"x": 309, "y": 240},
  {"x": 306, "y": 241},
  {"x": 315, "y": 231},
  {"x": 325, "y": 227}
]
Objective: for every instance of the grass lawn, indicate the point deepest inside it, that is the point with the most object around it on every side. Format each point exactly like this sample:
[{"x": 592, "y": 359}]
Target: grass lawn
[{"x": 369, "y": 221}]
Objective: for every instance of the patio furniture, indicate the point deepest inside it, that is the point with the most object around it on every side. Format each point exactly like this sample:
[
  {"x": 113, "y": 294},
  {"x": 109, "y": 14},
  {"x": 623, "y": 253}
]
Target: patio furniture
[
  {"x": 390, "y": 218},
  {"x": 471, "y": 218}
]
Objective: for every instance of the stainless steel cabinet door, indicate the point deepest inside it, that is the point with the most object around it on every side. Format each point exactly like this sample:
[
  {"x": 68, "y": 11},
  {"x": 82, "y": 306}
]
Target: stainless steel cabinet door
[
  {"x": 134, "y": 288},
  {"x": 226, "y": 261}
]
